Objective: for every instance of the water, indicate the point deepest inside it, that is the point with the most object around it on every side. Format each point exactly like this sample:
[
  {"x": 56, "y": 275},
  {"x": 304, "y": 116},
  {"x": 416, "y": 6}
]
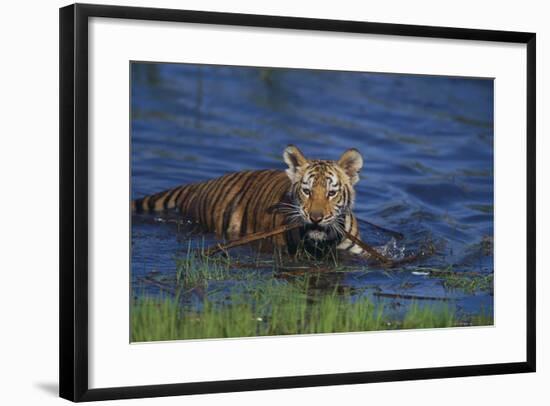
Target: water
[{"x": 427, "y": 144}]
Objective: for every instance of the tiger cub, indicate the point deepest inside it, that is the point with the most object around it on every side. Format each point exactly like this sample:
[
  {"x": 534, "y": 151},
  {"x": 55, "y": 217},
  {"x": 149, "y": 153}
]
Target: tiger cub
[{"x": 318, "y": 194}]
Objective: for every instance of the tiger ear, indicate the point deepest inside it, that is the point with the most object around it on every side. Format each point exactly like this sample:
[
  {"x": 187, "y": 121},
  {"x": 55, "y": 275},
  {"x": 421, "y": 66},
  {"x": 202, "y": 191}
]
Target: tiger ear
[
  {"x": 294, "y": 159},
  {"x": 351, "y": 162}
]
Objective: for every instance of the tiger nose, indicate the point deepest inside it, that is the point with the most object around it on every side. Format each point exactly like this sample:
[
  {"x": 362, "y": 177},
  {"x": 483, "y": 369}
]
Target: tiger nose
[{"x": 316, "y": 217}]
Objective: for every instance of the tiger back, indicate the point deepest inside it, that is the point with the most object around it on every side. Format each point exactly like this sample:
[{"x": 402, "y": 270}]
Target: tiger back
[{"x": 231, "y": 206}]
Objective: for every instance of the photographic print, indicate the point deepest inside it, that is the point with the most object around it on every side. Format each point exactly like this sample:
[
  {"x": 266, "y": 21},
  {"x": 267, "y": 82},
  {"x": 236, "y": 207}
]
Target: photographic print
[{"x": 277, "y": 201}]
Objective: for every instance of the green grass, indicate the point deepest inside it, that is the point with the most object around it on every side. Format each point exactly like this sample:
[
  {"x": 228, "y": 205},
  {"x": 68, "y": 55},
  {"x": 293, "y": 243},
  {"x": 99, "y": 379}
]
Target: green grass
[
  {"x": 429, "y": 317},
  {"x": 279, "y": 310},
  {"x": 247, "y": 296}
]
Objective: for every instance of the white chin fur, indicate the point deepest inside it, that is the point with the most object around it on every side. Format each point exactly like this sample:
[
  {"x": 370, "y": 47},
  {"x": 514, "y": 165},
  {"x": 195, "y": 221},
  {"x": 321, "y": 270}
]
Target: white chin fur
[{"x": 317, "y": 235}]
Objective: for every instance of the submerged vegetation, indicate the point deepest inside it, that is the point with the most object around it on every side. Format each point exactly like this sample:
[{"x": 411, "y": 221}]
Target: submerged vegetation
[{"x": 220, "y": 297}]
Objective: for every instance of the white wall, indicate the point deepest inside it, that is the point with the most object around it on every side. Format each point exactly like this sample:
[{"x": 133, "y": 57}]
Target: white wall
[{"x": 28, "y": 204}]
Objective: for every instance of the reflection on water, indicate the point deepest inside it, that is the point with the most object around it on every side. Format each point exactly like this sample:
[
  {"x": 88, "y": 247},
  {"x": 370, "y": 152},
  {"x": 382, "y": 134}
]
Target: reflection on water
[{"x": 427, "y": 144}]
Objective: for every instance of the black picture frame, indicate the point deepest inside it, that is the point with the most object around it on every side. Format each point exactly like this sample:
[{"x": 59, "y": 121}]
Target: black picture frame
[{"x": 73, "y": 253}]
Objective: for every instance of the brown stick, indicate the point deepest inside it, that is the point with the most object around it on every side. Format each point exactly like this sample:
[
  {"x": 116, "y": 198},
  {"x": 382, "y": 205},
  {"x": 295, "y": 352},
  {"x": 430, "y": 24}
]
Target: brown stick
[
  {"x": 381, "y": 258},
  {"x": 250, "y": 238},
  {"x": 409, "y": 297},
  {"x": 266, "y": 234},
  {"x": 162, "y": 286},
  {"x": 157, "y": 284}
]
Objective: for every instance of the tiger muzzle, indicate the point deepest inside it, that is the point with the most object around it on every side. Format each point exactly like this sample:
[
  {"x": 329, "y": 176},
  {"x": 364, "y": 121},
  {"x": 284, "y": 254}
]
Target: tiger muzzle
[{"x": 316, "y": 217}]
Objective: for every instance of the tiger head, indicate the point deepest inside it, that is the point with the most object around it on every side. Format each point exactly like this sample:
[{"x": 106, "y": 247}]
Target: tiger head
[{"x": 322, "y": 191}]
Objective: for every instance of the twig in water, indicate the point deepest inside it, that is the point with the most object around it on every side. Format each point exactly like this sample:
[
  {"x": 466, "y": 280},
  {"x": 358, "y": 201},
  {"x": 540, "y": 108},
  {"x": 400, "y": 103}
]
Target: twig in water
[
  {"x": 442, "y": 272},
  {"x": 282, "y": 229},
  {"x": 162, "y": 286},
  {"x": 250, "y": 238},
  {"x": 385, "y": 261},
  {"x": 409, "y": 297},
  {"x": 381, "y": 258}
]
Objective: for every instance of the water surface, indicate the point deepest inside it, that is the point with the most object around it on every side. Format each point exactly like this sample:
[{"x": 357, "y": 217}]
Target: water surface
[{"x": 427, "y": 144}]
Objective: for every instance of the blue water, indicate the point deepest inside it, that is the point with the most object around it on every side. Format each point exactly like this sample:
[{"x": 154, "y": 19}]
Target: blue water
[{"x": 427, "y": 144}]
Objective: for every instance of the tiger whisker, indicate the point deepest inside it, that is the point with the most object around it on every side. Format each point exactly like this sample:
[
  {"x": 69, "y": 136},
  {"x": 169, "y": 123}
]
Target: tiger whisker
[{"x": 338, "y": 228}]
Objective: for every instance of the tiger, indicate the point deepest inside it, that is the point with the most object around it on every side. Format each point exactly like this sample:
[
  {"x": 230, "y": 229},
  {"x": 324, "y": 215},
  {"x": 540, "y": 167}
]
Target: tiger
[{"x": 317, "y": 194}]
